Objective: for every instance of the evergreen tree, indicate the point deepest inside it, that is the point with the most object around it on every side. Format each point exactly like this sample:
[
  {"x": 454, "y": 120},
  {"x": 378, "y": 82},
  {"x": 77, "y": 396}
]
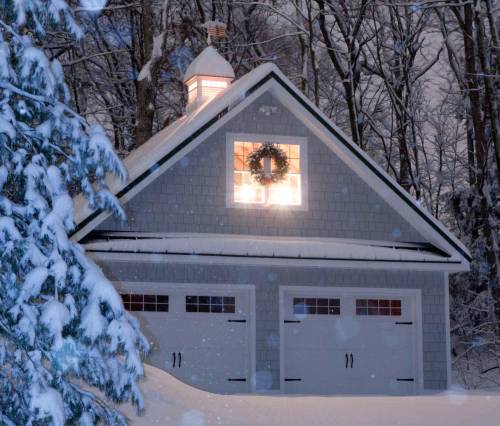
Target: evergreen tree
[{"x": 63, "y": 328}]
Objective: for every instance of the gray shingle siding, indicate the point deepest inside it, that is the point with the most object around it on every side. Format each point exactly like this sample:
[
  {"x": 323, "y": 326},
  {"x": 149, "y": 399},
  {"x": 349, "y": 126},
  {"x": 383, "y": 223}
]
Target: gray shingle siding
[
  {"x": 191, "y": 195},
  {"x": 267, "y": 281}
]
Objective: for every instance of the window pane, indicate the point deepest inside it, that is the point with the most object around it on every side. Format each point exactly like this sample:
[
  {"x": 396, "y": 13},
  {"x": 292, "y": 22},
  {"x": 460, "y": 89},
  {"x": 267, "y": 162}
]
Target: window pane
[
  {"x": 162, "y": 307},
  {"x": 322, "y": 302},
  {"x": 149, "y": 298},
  {"x": 229, "y": 300},
  {"x": 395, "y": 303},
  {"x": 215, "y": 308},
  {"x": 384, "y": 303},
  {"x": 334, "y": 311},
  {"x": 150, "y": 307},
  {"x": 239, "y": 163},
  {"x": 294, "y": 151},
  {"x": 229, "y": 309},
  {"x": 361, "y": 311},
  {"x": 126, "y": 298},
  {"x": 294, "y": 165},
  {"x": 238, "y": 148},
  {"x": 322, "y": 310},
  {"x": 136, "y": 306},
  {"x": 191, "y": 307},
  {"x": 204, "y": 300},
  {"x": 137, "y": 298},
  {"x": 204, "y": 308}
]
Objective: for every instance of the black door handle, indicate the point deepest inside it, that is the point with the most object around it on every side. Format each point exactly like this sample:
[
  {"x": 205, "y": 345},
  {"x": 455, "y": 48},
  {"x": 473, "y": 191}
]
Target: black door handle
[
  {"x": 346, "y": 360},
  {"x": 352, "y": 359},
  {"x": 180, "y": 359},
  {"x": 173, "y": 354}
]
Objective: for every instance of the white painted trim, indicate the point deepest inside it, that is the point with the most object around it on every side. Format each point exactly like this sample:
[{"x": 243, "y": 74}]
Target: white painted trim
[
  {"x": 366, "y": 291},
  {"x": 448, "y": 329},
  {"x": 221, "y": 260},
  {"x": 250, "y": 288},
  {"x": 278, "y": 139}
]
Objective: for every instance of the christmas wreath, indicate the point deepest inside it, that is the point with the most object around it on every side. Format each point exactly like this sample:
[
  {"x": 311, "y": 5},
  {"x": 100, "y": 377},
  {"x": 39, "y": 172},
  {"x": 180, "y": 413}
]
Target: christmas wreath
[{"x": 257, "y": 168}]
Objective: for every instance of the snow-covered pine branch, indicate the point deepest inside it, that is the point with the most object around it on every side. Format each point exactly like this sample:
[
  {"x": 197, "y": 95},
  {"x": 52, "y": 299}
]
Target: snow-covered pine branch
[{"x": 62, "y": 324}]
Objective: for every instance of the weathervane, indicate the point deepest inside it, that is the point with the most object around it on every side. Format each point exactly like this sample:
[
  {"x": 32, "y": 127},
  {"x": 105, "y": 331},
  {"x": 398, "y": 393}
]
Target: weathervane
[{"x": 215, "y": 30}]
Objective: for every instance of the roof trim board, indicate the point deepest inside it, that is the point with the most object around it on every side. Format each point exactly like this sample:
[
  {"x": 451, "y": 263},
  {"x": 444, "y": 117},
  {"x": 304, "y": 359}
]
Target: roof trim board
[
  {"x": 215, "y": 259},
  {"x": 311, "y": 109}
]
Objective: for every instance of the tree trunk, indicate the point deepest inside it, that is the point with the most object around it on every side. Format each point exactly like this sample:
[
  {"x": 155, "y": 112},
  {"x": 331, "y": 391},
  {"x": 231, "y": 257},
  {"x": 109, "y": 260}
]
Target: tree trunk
[{"x": 145, "y": 85}]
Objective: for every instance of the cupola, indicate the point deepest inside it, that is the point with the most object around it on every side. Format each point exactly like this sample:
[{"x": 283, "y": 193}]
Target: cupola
[{"x": 208, "y": 75}]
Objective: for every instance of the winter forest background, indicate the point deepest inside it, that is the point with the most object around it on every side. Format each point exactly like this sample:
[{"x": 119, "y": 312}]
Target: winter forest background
[{"x": 415, "y": 84}]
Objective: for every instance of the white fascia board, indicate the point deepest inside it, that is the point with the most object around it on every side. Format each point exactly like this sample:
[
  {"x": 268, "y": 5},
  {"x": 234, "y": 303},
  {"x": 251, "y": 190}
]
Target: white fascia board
[
  {"x": 255, "y": 261},
  {"x": 367, "y": 175},
  {"x": 173, "y": 142}
]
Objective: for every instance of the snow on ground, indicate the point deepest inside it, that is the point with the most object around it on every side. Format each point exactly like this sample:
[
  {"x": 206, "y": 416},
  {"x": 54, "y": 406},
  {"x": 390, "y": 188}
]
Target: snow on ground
[{"x": 171, "y": 402}]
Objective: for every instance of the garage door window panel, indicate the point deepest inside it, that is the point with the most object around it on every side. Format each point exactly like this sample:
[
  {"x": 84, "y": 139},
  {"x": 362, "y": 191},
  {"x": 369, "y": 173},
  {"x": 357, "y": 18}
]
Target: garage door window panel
[
  {"x": 316, "y": 306},
  {"x": 378, "y": 307},
  {"x": 145, "y": 302},
  {"x": 211, "y": 304}
]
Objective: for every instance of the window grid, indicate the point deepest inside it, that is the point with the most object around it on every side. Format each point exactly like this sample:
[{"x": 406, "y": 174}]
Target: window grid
[
  {"x": 383, "y": 307},
  {"x": 211, "y": 304},
  {"x": 247, "y": 190},
  {"x": 316, "y": 306},
  {"x": 145, "y": 302}
]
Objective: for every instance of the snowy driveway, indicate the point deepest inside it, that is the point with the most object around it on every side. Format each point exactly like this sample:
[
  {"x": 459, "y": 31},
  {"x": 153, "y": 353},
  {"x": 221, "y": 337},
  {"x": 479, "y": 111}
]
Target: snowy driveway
[{"x": 170, "y": 402}]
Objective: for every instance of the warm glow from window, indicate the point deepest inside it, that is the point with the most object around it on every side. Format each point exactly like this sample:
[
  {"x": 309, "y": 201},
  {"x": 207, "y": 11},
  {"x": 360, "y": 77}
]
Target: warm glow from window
[
  {"x": 192, "y": 86},
  {"x": 246, "y": 190},
  {"x": 214, "y": 83}
]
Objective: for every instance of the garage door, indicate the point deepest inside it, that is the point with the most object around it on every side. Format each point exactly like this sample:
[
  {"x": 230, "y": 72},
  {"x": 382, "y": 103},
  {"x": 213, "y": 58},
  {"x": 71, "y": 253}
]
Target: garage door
[
  {"x": 199, "y": 333},
  {"x": 349, "y": 341}
]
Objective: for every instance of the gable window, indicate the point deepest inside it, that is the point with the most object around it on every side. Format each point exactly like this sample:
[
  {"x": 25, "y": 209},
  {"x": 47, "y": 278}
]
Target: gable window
[{"x": 243, "y": 189}]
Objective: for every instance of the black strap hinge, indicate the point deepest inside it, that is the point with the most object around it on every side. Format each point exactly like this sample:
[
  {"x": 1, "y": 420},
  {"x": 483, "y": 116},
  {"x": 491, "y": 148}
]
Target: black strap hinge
[
  {"x": 236, "y": 320},
  {"x": 237, "y": 380},
  {"x": 293, "y": 380},
  {"x": 291, "y": 321},
  {"x": 403, "y": 323},
  {"x": 406, "y": 380}
]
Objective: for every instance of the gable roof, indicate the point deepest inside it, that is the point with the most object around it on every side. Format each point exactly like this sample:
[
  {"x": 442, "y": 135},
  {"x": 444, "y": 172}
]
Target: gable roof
[{"x": 170, "y": 144}]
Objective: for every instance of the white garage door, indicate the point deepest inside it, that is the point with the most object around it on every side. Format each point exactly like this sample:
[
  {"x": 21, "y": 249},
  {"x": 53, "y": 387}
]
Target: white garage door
[
  {"x": 350, "y": 341},
  {"x": 199, "y": 333}
]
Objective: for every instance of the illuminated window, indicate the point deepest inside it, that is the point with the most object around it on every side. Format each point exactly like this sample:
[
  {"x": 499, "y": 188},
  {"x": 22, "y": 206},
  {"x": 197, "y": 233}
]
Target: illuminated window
[
  {"x": 246, "y": 190},
  {"x": 213, "y": 83},
  {"x": 192, "y": 86}
]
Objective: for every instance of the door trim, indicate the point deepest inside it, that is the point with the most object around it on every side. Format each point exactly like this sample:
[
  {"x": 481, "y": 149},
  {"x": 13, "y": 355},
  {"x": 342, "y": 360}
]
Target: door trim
[
  {"x": 415, "y": 293},
  {"x": 249, "y": 288}
]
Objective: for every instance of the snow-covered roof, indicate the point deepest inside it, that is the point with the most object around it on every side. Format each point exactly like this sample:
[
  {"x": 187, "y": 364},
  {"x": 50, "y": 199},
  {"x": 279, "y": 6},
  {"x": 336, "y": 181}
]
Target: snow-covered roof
[
  {"x": 238, "y": 246},
  {"x": 166, "y": 147},
  {"x": 209, "y": 63}
]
